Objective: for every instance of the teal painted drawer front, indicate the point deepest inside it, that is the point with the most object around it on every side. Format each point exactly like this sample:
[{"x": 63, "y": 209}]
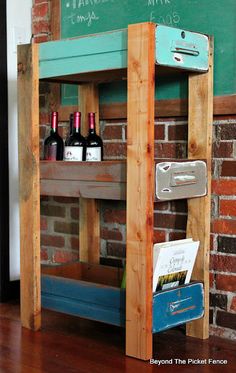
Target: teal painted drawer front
[
  {"x": 181, "y": 49},
  {"x": 177, "y": 306},
  {"x": 101, "y": 52},
  {"x": 107, "y": 304}
]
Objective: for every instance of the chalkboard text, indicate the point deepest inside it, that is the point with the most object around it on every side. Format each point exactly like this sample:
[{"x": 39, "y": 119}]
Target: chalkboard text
[
  {"x": 88, "y": 18},
  {"x": 158, "y": 2}
]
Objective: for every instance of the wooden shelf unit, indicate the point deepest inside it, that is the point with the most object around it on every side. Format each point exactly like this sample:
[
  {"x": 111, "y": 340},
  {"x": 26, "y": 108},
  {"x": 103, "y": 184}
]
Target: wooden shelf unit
[{"x": 133, "y": 50}]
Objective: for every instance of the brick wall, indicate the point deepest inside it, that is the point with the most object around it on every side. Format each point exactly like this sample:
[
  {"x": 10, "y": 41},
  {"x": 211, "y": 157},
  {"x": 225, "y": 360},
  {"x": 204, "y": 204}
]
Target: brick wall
[{"x": 59, "y": 216}]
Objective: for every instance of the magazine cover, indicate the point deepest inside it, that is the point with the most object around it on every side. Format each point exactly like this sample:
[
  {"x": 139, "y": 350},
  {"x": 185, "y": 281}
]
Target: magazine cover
[{"x": 173, "y": 263}]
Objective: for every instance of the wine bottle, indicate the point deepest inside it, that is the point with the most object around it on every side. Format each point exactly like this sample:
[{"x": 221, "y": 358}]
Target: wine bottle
[
  {"x": 94, "y": 145},
  {"x": 76, "y": 144},
  {"x": 53, "y": 144}
]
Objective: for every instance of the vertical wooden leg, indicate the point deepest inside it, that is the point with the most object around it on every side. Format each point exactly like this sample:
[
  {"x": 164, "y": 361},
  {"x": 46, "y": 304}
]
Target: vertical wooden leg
[
  {"x": 199, "y": 209},
  {"x": 28, "y": 131},
  {"x": 140, "y": 190},
  {"x": 89, "y": 220}
]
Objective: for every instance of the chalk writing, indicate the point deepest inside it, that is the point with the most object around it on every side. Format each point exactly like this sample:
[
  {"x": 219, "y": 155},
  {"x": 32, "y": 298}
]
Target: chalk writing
[
  {"x": 88, "y": 18},
  {"x": 158, "y": 2},
  {"x": 169, "y": 19},
  {"x": 77, "y": 4}
]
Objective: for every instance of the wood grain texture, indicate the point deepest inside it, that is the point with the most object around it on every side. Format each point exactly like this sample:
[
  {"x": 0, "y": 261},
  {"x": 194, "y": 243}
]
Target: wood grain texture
[
  {"x": 28, "y": 131},
  {"x": 140, "y": 190},
  {"x": 199, "y": 209},
  {"x": 89, "y": 217},
  {"x": 55, "y": 19},
  {"x": 223, "y": 105}
]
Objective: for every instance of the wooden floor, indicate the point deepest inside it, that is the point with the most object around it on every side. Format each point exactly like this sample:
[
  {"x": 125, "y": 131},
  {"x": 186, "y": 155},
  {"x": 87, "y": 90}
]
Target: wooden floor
[{"x": 68, "y": 344}]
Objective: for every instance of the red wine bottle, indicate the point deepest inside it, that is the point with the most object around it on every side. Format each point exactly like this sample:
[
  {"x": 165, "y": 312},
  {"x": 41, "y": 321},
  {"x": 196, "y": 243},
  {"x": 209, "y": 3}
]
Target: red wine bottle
[
  {"x": 76, "y": 144},
  {"x": 94, "y": 145},
  {"x": 53, "y": 144}
]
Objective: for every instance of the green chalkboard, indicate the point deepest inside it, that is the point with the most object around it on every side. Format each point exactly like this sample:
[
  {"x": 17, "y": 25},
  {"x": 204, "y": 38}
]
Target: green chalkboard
[{"x": 212, "y": 17}]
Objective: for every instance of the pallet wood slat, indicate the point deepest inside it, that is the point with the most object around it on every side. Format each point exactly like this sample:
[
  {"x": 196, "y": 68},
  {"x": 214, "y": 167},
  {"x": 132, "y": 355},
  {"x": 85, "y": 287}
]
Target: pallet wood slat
[
  {"x": 29, "y": 196},
  {"x": 199, "y": 209},
  {"x": 140, "y": 190},
  {"x": 89, "y": 217}
]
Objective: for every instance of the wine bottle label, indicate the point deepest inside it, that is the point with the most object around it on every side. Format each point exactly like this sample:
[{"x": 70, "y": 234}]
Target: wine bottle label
[
  {"x": 73, "y": 153},
  {"x": 50, "y": 152},
  {"x": 93, "y": 154}
]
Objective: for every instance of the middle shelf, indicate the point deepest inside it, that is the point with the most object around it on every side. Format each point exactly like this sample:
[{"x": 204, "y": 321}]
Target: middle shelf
[{"x": 175, "y": 179}]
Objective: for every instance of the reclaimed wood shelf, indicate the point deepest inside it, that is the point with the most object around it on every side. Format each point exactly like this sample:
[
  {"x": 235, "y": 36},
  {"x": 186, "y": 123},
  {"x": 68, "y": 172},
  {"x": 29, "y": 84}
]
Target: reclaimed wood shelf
[{"x": 136, "y": 54}]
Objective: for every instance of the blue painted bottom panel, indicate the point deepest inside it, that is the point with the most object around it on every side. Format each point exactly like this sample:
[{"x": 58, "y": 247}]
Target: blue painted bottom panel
[
  {"x": 107, "y": 304},
  {"x": 177, "y": 306}
]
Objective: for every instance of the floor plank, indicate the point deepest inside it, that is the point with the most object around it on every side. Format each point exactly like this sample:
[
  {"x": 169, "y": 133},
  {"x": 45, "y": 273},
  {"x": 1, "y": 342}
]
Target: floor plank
[{"x": 68, "y": 344}]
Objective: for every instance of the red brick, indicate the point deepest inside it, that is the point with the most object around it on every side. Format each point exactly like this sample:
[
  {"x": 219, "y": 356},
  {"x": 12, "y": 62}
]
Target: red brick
[
  {"x": 159, "y": 236},
  {"x": 40, "y": 10},
  {"x": 43, "y": 224},
  {"x": 74, "y": 213},
  {"x": 227, "y": 207},
  {"x": 116, "y": 249},
  {"x": 114, "y": 216},
  {"x": 211, "y": 279},
  {"x": 170, "y": 150},
  {"x": 51, "y": 210},
  {"x": 224, "y": 226},
  {"x": 74, "y": 243},
  {"x": 225, "y": 282},
  {"x": 233, "y": 304},
  {"x": 226, "y": 319},
  {"x": 55, "y": 241},
  {"x": 223, "y": 149},
  {"x": 112, "y": 132},
  {"x": 177, "y": 236},
  {"x": 115, "y": 150},
  {"x": 40, "y": 27},
  {"x": 172, "y": 221},
  {"x": 40, "y": 1},
  {"x": 159, "y": 132},
  {"x": 111, "y": 234},
  {"x": 67, "y": 228},
  {"x": 42, "y": 132},
  {"x": 40, "y": 39},
  {"x": 44, "y": 118},
  {"x": 179, "y": 132},
  {"x": 66, "y": 200},
  {"x": 228, "y": 168},
  {"x": 224, "y": 187},
  {"x": 43, "y": 254},
  {"x": 179, "y": 205},
  {"x": 161, "y": 206},
  {"x": 61, "y": 256},
  {"x": 223, "y": 263},
  {"x": 226, "y": 131}
]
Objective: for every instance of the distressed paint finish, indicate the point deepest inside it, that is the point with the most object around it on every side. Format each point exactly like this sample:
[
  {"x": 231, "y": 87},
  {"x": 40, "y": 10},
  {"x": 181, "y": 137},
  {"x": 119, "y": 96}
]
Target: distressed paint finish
[
  {"x": 181, "y": 49},
  {"x": 105, "y": 51},
  {"x": 80, "y": 298},
  {"x": 93, "y": 301},
  {"x": 177, "y": 306},
  {"x": 108, "y": 51}
]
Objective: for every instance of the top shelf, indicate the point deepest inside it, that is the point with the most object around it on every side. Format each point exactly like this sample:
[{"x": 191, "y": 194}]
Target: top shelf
[{"x": 103, "y": 57}]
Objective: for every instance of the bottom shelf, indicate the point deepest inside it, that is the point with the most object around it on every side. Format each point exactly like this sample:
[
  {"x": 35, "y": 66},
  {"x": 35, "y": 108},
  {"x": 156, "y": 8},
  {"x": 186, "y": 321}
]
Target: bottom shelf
[{"x": 79, "y": 289}]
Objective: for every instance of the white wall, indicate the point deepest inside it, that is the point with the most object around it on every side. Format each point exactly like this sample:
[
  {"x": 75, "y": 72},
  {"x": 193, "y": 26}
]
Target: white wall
[{"x": 18, "y": 32}]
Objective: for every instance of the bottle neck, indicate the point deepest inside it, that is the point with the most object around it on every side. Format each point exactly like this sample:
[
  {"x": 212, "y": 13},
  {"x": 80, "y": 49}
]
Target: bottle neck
[
  {"x": 54, "y": 122},
  {"x": 71, "y": 124},
  {"x": 76, "y": 122},
  {"x": 92, "y": 125}
]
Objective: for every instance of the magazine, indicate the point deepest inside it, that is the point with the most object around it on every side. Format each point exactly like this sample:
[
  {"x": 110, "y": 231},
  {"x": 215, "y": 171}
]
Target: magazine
[{"x": 173, "y": 263}]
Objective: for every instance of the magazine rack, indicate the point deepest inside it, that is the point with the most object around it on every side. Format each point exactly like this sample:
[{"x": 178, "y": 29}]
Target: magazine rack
[{"x": 136, "y": 54}]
